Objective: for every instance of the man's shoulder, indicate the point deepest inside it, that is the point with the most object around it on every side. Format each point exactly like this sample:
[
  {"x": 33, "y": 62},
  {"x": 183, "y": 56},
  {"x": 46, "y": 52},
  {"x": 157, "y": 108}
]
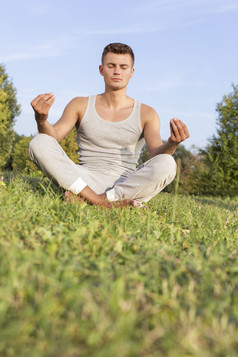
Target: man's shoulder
[
  {"x": 148, "y": 113},
  {"x": 79, "y": 100},
  {"x": 78, "y": 104}
]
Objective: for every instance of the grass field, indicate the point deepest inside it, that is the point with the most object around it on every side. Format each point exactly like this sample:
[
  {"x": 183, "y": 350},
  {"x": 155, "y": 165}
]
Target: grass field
[{"x": 84, "y": 281}]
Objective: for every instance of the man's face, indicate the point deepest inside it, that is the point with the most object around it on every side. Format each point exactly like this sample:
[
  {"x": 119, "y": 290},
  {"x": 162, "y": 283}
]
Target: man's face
[{"x": 117, "y": 69}]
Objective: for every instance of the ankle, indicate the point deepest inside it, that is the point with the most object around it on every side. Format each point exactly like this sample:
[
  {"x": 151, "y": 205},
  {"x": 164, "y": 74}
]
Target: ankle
[{"x": 101, "y": 198}]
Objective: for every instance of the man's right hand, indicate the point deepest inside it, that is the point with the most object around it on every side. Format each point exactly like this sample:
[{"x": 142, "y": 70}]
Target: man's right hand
[{"x": 41, "y": 105}]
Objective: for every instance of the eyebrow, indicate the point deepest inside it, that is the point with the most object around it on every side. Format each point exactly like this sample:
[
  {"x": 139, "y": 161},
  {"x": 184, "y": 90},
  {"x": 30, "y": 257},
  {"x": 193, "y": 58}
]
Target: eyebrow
[{"x": 123, "y": 64}]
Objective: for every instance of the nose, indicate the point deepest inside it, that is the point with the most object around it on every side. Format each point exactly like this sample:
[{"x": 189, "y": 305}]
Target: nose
[{"x": 116, "y": 70}]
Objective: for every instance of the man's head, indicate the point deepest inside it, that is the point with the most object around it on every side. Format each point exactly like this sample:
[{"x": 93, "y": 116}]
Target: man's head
[
  {"x": 117, "y": 66},
  {"x": 118, "y": 48}
]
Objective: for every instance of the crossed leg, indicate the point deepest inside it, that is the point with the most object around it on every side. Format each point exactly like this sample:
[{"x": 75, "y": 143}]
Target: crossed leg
[
  {"x": 147, "y": 181},
  {"x": 143, "y": 184}
]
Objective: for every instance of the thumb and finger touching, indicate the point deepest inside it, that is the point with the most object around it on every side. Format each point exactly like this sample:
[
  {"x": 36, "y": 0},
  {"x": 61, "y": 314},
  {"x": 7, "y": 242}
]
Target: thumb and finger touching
[
  {"x": 43, "y": 102},
  {"x": 178, "y": 129}
]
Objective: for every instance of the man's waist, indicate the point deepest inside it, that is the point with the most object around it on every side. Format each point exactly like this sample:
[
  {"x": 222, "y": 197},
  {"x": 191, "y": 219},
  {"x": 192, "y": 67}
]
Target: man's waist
[{"x": 106, "y": 164}]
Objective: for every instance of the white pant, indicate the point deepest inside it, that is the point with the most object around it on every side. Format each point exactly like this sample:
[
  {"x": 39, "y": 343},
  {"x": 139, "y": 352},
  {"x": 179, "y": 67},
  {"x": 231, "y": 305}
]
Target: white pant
[{"x": 143, "y": 184}]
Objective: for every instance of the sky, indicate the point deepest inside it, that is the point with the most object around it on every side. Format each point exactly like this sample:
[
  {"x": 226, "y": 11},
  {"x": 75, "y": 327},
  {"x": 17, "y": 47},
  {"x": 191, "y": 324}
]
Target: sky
[{"x": 186, "y": 55}]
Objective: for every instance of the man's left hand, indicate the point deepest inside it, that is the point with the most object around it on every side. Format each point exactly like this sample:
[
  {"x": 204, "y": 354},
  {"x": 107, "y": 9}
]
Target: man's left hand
[{"x": 178, "y": 130}]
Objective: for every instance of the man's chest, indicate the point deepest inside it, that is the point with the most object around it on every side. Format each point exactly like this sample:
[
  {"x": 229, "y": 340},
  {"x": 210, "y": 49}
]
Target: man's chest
[{"x": 114, "y": 115}]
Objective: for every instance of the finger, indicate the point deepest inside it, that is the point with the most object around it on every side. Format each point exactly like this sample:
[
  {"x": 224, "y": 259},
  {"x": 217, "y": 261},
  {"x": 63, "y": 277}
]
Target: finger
[
  {"x": 50, "y": 101},
  {"x": 183, "y": 125},
  {"x": 35, "y": 101},
  {"x": 184, "y": 129},
  {"x": 173, "y": 135},
  {"x": 41, "y": 98},
  {"x": 172, "y": 128},
  {"x": 44, "y": 106},
  {"x": 182, "y": 132},
  {"x": 175, "y": 132},
  {"x": 45, "y": 98},
  {"x": 50, "y": 98}
]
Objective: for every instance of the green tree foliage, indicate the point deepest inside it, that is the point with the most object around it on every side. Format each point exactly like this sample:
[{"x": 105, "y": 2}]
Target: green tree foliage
[
  {"x": 186, "y": 162},
  {"x": 144, "y": 155},
  {"x": 220, "y": 177},
  {"x": 20, "y": 156},
  {"x": 8, "y": 166},
  {"x": 21, "y": 160},
  {"x": 70, "y": 146},
  {"x": 9, "y": 109}
]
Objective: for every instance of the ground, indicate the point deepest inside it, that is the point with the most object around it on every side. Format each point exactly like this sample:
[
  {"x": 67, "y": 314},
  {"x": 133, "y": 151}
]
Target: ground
[{"x": 78, "y": 280}]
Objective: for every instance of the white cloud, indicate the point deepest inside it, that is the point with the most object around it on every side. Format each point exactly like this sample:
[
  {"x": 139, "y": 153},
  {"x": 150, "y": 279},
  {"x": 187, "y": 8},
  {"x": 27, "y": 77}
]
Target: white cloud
[
  {"x": 175, "y": 14},
  {"x": 195, "y": 114},
  {"x": 167, "y": 5},
  {"x": 55, "y": 47},
  {"x": 173, "y": 5},
  {"x": 226, "y": 8},
  {"x": 173, "y": 84},
  {"x": 42, "y": 51}
]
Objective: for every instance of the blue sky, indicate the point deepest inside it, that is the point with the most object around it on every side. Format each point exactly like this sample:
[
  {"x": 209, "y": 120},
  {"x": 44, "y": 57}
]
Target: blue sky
[{"x": 186, "y": 55}]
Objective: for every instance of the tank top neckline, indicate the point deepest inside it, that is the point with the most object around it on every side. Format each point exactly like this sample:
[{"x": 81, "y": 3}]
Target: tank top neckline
[{"x": 94, "y": 97}]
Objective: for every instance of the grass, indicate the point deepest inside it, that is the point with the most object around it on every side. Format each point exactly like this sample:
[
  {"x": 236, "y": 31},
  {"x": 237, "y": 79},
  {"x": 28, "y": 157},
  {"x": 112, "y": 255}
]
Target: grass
[{"x": 84, "y": 281}]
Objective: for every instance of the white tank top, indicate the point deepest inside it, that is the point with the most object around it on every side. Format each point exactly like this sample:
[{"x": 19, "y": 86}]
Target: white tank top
[{"x": 111, "y": 148}]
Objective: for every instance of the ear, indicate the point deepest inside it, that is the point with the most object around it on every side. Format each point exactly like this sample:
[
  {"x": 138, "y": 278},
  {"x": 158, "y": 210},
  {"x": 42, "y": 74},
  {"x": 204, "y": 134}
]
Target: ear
[
  {"x": 101, "y": 69},
  {"x": 132, "y": 72}
]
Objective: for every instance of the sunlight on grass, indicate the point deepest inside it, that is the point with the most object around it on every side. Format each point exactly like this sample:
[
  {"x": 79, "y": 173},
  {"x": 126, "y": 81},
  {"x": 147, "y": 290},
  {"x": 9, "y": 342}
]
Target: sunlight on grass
[{"x": 85, "y": 281}]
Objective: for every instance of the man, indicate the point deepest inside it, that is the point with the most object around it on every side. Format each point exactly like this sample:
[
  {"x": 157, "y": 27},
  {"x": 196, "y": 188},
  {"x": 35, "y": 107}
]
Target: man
[{"x": 111, "y": 130}]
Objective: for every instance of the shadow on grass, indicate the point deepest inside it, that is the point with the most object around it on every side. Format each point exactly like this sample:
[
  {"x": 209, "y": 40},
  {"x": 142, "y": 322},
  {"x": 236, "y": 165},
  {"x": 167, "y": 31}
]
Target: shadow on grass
[
  {"x": 40, "y": 184},
  {"x": 44, "y": 186},
  {"x": 218, "y": 202}
]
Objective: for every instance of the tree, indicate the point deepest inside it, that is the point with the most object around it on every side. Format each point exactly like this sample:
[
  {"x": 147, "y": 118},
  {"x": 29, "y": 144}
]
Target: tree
[
  {"x": 20, "y": 157},
  {"x": 221, "y": 155},
  {"x": 186, "y": 159},
  {"x": 9, "y": 109},
  {"x": 144, "y": 155},
  {"x": 70, "y": 146}
]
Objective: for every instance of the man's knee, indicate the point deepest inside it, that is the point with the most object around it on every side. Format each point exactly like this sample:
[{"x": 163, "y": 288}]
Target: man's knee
[
  {"x": 171, "y": 164},
  {"x": 164, "y": 164},
  {"x": 163, "y": 170},
  {"x": 38, "y": 145}
]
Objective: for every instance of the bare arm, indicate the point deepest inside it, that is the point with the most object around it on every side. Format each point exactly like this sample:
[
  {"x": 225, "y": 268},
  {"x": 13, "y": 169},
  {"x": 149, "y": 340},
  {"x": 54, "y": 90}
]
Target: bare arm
[
  {"x": 41, "y": 106},
  {"x": 151, "y": 124},
  {"x": 72, "y": 113}
]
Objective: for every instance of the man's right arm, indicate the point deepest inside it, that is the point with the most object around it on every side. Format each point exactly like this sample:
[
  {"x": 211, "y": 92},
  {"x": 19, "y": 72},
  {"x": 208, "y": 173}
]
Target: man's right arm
[
  {"x": 71, "y": 115},
  {"x": 41, "y": 106}
]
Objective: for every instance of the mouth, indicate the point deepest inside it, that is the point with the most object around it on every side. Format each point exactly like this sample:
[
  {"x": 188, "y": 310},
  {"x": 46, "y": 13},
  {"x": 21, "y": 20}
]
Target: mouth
[{"x": 116, "y": 79}]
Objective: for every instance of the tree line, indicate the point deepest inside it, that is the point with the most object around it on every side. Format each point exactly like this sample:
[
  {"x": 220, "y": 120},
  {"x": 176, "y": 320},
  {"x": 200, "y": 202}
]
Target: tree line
[{"x": 210, "y": 171}]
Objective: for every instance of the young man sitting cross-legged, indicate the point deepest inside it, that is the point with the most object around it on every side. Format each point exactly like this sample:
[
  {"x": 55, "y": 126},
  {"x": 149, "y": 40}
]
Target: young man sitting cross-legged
[{"x": 111, "y": 130}]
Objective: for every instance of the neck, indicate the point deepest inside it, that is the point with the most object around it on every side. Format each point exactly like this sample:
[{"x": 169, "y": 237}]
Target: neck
[{"x": 115, "y": 99}]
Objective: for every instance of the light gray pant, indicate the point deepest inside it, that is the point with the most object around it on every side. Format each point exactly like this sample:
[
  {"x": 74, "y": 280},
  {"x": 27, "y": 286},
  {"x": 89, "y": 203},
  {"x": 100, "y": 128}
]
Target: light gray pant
[{"x": 143, "y": 184}]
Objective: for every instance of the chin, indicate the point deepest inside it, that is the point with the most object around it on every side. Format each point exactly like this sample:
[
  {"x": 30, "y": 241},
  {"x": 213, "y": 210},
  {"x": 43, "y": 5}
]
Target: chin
[{"x": 117, "y": 86}]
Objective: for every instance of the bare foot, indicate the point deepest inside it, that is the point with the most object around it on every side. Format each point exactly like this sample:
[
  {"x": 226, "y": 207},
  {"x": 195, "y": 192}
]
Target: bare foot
[
  {"x": 119, "y": 204},
  {"x": 71, "y": 198}
]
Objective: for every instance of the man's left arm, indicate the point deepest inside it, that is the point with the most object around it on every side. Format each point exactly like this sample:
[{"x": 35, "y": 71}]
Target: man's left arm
[{"x": 151, "y": 123}]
